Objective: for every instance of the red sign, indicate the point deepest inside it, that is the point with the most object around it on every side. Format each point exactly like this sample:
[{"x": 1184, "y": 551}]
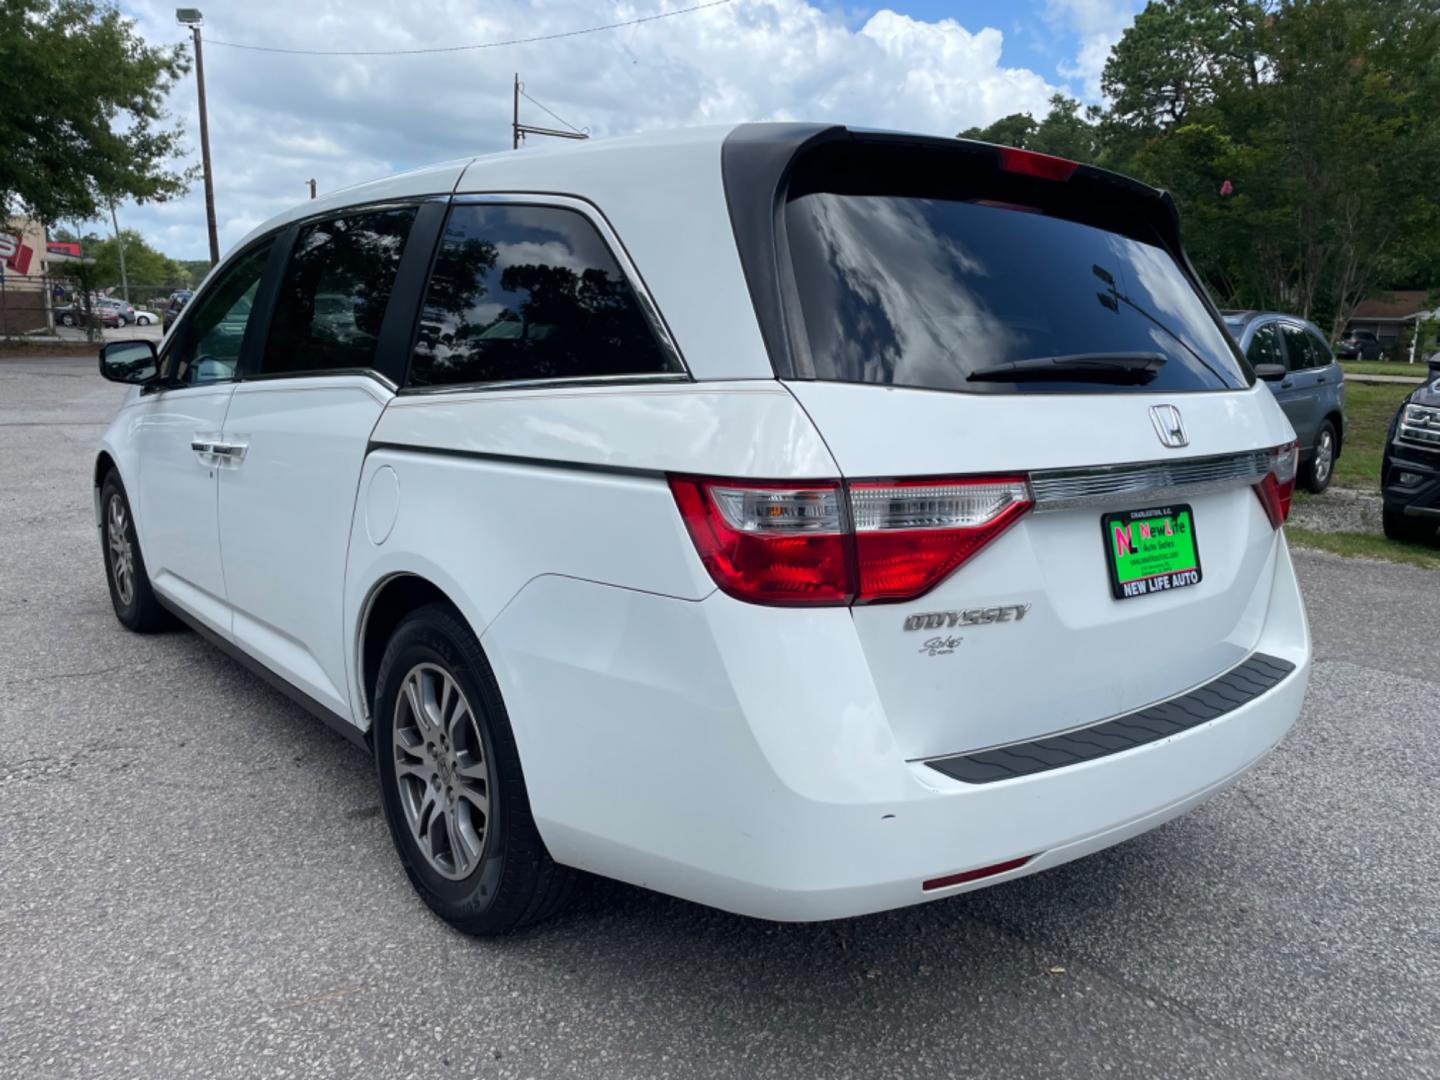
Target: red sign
[
  {"x": 63, "y": 247},
  {"x": 15, "y": 254}
]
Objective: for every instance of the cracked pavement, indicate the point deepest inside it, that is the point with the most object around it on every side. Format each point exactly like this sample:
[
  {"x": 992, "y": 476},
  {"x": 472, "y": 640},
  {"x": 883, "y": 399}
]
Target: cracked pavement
[{"x": 195, "y": 881}]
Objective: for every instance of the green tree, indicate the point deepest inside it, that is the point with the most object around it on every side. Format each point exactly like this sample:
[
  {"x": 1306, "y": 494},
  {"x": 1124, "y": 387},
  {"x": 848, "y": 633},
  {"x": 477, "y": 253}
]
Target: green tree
[
  {"x": 144, "y": 266},
  {"x": 1320, "y": 115},
  {"x": 82, "y": 115},
  {"x": 1064, "y": 131}
]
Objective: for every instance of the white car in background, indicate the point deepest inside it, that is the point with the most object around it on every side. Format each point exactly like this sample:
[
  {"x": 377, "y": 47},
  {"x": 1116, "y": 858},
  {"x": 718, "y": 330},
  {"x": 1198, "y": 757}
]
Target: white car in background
[
  {"x": 802, "y": 521},
  {"x": 145, "y": 318}
]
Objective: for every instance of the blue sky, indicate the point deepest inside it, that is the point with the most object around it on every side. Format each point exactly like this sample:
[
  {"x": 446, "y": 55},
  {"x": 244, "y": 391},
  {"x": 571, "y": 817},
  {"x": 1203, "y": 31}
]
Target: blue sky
[{"x": 276, "y": 120}]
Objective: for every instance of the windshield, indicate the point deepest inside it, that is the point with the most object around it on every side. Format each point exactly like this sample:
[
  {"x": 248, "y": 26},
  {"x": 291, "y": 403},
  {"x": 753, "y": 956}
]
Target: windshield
[{"x": 905, "y": 291}]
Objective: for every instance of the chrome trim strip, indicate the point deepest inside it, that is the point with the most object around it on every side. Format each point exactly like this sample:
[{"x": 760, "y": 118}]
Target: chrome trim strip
[
  {"x": 1146, "y": 481},
  {"x": 543, "y": 384}
]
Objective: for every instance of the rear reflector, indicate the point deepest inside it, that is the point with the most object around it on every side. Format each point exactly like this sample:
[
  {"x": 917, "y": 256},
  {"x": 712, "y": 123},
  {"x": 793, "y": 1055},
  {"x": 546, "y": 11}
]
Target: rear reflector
[
  {"x": 1029, "y": 163},
  {"x": 823, "y": 543},
  {"x": 1275, "y": 490},
  {"x": 974, "y": 875}
]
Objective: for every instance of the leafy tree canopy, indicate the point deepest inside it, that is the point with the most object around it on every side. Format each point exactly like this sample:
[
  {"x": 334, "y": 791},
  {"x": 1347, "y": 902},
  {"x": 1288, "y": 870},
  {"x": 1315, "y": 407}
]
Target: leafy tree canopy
[
  {"x": 144, "y": 266},
  {"x": 82, "y": 117}
]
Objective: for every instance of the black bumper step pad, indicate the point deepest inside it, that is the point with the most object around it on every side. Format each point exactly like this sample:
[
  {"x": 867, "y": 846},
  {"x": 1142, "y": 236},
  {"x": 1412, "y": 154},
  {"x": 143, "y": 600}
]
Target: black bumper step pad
[{"x": 1238, "y": 686}]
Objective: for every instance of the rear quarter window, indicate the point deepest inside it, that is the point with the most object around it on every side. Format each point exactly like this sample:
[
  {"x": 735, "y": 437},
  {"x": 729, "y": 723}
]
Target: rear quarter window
[{"x": 925, "y": 292}]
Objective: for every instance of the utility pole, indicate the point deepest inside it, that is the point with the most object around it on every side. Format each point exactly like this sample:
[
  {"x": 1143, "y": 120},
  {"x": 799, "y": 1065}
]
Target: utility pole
[
  {"x": 192, "y": 18},
  {"x": 120, "y": 249},
  {"x": 518, "y": 131},
  {"x": 311, "y": 182}
]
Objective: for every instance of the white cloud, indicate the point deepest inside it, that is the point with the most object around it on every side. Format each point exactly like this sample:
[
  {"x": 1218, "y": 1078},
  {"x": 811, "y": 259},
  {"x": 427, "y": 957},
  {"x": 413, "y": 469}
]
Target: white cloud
[
  {"x": 277, "y": 120},
  {"x": 1097, "y": 25}
]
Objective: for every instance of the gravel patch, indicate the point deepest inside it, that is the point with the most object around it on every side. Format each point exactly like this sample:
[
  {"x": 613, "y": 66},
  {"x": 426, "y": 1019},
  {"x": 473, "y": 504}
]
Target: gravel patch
[{"x": 1338, "y": 510}]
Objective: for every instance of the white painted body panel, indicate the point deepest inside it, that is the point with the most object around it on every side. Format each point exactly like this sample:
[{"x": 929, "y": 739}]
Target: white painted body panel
[
  {"x": 174, "y": 494},
  {"x": 285, "y": 516},
  {"x": 1097, "y": 655}
]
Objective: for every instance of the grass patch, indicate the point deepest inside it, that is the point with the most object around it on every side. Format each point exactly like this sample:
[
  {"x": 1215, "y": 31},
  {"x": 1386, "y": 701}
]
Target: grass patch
[
  {"x": 1369, "y": 408},
  {"x": 20, "y": 349},
  {"x": 1417, "y": 370},
  {"x": 1366, "y": 546}
]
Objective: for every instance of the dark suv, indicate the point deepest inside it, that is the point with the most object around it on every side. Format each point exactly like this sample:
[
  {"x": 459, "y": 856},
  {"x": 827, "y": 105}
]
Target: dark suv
[
  {"x": 1360, "y": 345},
  {"x": 1410, "y": 473}
]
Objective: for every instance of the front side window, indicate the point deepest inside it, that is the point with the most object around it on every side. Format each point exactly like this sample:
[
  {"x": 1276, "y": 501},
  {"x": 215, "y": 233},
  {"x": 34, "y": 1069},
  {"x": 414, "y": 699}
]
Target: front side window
[
  {"x": 333, "y": 296},
  {"x": 207, "y": 346},
  {"x": 1321, "y": 349},
  {"x": 1265, "y": 347},
  {"x": 529, "y": 292}
]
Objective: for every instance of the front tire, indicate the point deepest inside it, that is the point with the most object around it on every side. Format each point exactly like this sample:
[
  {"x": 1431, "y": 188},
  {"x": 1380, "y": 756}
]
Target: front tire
[
  {"x": 1406, "y": 530},
  {"x": 451, "y": 785},
  {"x": 141, "y": 320},
  {"x": 130, "y": 593},
  {"x": 1321, "y": 469}
]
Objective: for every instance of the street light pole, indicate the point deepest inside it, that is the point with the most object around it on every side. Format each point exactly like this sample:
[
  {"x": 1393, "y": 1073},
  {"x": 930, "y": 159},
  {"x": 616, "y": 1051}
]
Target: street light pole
[
  {"x": 192, "y": 18},
  {"x": 120, "y": 250}
]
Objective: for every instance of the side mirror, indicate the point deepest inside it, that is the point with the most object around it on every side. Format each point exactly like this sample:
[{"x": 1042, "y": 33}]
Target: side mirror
[
  {"x": 133, "y": 362},
  {"x": 1270, "y": 372}
]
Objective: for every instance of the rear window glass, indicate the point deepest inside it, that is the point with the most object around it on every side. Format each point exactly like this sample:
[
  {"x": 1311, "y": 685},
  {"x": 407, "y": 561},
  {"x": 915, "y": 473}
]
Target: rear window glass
[{"x": 940, "y": 293}]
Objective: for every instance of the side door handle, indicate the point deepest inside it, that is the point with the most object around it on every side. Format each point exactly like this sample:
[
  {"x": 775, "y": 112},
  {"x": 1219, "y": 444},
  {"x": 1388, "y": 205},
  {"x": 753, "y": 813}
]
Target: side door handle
[{"x": 229, "y": 451}]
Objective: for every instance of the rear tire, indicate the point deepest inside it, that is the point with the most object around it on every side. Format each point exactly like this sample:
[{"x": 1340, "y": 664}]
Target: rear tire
[
  {"x": 1321, "y": 469},
  {"x": 451, "y": 784},
  {"x": 130, "y": 593}
]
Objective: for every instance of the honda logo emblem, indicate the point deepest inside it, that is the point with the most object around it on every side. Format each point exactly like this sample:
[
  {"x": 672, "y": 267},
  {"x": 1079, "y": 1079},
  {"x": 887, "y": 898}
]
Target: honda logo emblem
[{"x": 1169, "y": 426}]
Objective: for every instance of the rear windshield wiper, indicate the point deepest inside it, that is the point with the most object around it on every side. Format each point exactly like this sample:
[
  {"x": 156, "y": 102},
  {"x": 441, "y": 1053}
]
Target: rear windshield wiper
[{"x": 1121, "y": 368}]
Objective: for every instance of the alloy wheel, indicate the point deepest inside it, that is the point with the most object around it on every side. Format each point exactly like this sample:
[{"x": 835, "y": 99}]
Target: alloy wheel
[
  {"x": 1324, "y": 457},
  {"x": 122, "y": 552},
  {"x": 441, "y": 771}
]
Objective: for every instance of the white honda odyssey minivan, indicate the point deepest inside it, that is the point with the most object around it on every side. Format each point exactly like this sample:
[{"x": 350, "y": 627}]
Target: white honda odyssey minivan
[{"x": 800, "y": 520}]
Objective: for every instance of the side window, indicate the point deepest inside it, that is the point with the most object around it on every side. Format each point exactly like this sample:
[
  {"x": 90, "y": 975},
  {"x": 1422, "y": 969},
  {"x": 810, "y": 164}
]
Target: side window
[
  {"x": 1298, "y": 347},
  {"x": 1265, "y": 346},
  {"x": 333, "y": 295},
  {"x": 529, "y": 292},
  {"x": 207, "y": 346},
  {"x": 1321, "y": 351}
]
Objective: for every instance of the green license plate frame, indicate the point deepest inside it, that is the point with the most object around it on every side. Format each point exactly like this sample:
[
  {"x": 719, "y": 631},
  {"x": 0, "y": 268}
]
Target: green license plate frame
[{"x": 1151, "y": 551}]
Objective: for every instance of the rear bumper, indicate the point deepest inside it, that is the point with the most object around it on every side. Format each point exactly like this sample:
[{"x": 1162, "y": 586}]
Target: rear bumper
[{"x": 690, "y": 748}]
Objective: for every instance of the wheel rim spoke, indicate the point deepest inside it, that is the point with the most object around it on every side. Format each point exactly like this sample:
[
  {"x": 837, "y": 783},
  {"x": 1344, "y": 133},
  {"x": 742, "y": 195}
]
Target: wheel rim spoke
[
  {"x": 441, "y": 771},
  {"x": 122, "y": 553}
]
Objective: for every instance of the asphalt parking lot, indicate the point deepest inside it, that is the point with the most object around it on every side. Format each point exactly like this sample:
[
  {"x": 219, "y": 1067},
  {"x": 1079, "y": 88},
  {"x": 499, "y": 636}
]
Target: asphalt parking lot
[{"x": 195, "y": 881}]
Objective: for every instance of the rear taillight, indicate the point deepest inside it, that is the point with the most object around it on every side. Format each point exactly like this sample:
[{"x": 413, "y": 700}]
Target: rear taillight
[
  {"x": 909, "y": 536},
  {"x": 781, "y": 543},
  {"x": 828, "y": 543},
  {"x": 1279, "y": 484}
]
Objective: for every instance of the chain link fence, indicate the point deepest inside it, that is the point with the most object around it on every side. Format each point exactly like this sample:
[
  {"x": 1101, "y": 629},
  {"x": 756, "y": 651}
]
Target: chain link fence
[{"x": 52, "y": 305}]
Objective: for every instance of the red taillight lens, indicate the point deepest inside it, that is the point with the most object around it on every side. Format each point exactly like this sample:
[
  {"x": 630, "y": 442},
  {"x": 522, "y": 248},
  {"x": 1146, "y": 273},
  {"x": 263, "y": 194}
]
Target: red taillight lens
[
  {"x": 804, "y": 543},
  {"x": 1029, "y": 163},
  {"x": 1275, "y": 490},
  {"x": 770, "y": 543},
  {"x": 910, "y": 535}
]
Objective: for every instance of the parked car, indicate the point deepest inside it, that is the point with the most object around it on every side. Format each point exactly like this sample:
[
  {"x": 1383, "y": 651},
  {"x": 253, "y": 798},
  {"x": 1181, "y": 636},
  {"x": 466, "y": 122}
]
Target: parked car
[
  {"x": 172, "y": 312},
  {"x": 70, "y": 315},
  {"x": 1291, "y": 356},
  {"x": 1360, "y": 345},
  {"x": 124, "y": 311},
  {"x": 820, "y": 564},
  {"x": 1410, "y": 469},
  {"x": 145, "y": 318}
]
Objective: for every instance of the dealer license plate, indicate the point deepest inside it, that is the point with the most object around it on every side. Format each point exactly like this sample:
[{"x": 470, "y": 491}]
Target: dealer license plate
[{"x": 1151, "y": 551}]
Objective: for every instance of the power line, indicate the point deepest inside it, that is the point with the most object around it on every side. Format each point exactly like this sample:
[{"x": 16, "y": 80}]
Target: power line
[
  {"x": 547, "y": 109},
  {"x": 467, "y": 48}
]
